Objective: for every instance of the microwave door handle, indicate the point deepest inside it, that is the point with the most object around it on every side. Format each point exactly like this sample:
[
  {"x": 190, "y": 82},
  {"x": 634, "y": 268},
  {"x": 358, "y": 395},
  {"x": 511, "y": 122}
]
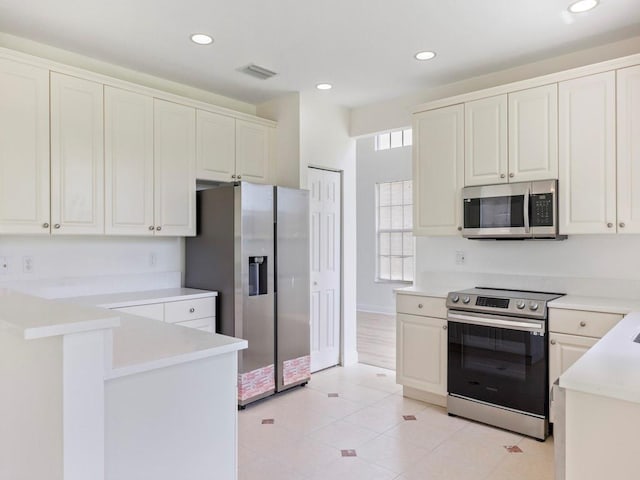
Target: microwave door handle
[{"x": 527, "y": 196}]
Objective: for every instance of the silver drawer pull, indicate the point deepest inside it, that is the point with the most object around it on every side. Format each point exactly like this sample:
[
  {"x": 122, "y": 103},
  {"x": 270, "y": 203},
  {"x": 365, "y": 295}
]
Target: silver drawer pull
[
  {"x": 552, "y": 342},
  {"x": 191, "y": 310},
  {"x": 419, "y": 305},
  {"x": 444, "y": 327},
  {"x": 45, "y": 225},
  {"x": 151, "y": 227},
  {"x": 57, "y": 225},
  {"x": 583, "y": 324}
]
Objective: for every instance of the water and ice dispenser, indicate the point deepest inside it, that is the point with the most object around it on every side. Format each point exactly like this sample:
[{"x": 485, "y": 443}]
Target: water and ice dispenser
[{"x": 257, "y": 276}]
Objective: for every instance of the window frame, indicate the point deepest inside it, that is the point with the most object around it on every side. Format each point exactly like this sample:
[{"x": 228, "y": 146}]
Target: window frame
[{"x": 403, "y": 231}]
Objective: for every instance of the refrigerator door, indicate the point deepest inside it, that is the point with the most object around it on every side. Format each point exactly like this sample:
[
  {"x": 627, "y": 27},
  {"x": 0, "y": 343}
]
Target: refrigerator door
[
  {"x": 292, "y": 288},
  {"x": 254, "y": 299}
]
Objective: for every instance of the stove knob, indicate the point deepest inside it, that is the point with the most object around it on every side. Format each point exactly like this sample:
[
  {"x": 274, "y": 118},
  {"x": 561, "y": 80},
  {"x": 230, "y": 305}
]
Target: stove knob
[
  {"x": 455, "y": 298},
  {"x": 533, "y": 306},
  {"x": 466, "y": 299},
  {"x": 520, "y": 304}
]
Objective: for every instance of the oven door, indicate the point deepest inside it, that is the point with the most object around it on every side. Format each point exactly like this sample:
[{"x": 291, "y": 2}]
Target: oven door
[
  {"x": 496, "y": 211},
  {"x": 501, "y": 366}
]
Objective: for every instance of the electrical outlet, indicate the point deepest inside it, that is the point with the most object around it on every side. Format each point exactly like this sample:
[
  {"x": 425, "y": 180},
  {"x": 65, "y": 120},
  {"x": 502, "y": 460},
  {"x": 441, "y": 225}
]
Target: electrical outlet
[
  {"x": 460, "y": 257},
  {"x": 27, "y": 264},
  {"x": 4, "y": 266}
]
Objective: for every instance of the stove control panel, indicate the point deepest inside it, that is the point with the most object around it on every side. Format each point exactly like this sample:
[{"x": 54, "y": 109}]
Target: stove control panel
[{"x": 527, "y": 304}]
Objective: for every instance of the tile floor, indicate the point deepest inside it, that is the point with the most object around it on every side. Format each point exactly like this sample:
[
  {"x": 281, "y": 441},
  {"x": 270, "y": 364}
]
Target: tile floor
[{"x": 368, "y": 431}]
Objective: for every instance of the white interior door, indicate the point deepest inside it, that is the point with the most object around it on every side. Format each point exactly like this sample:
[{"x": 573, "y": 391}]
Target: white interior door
[{"x": 326, "y": 232}]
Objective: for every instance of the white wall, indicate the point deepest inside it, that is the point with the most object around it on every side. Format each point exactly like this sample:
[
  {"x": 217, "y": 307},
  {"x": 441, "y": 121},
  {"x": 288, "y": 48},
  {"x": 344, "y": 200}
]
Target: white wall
[
  {"x": 396, "y": 113},
  {"x": 286, "y": 111},
  {"x": 325, "y": 142},
  {"x": 75, "y": 265},
  {"x": 375, "y": 167}
]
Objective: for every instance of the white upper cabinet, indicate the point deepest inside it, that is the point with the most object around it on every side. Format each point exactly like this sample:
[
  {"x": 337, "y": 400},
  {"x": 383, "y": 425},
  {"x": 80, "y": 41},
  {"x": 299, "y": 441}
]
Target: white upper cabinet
[
  {"x": 175, "y": 168},
  {"x": 128, "y": 163},
  {"x": 253, "y": 145},
  {"x": 77, "y": 156},
  {"x": 438, "y": 170},
  {"x": 485, "y": 160},
  {"x": 629, "y": 150},
  {"x": 216, "y": 147},
  {"x": 24, "y": 148},
  {"x": 587, "y": 162},
  {"x": 533, "y": 134}
]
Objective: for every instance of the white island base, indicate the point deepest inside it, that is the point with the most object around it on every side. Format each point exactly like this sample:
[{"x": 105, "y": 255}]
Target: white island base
[{"x": 92, "y": 394}]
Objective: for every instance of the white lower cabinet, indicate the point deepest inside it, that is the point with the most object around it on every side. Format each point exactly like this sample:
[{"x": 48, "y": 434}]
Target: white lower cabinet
[
  {"x": 198, "y": 313},
  {"x": 421, "y": 350}
]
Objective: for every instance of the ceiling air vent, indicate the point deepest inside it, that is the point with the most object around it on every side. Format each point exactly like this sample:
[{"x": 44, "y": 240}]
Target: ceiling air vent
[{"x": 258, "y": 72}]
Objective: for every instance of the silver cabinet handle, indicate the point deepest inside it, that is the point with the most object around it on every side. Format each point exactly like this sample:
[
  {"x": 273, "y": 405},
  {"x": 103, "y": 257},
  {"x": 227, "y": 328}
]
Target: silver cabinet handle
[
  {"x": 315, "y": 284},
  {"x": 610, "y": 225},
  {"x": 233, "y": 176},
  {"x": 151, "y": 227},
  {"x": 191, "y": 310},
  {"x": 57, "y": 225},
  {"x": 552, "y": 342},
  {"x": 45, "y": 225},
  {"x": 444, "y": 327},
  {"x": 511, "y": 175},
  {"x": 158, "y": 228},
  {"x": 621, "y": 224},
  {"x": 239, "y": 177},
  {"x": 419, "y": 305},
  {"x": 502, "y": 175},
  {"x": 583, "y": 324},
  {"x": 459, "y": 229}
]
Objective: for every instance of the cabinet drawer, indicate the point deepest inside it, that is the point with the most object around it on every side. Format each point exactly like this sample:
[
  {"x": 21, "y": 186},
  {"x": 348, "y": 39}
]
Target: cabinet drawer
[
  {"x": 205, "y": 324},
  {"x": 579, "y": 322},
  {"x": 189, "y": 309},
  {"x": 427, "y": 306},
  {"x": 154, "y": 311}
]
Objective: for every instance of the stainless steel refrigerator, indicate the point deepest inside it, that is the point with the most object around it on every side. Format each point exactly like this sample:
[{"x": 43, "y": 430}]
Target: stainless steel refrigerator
[{"x": 252, "y": 246}]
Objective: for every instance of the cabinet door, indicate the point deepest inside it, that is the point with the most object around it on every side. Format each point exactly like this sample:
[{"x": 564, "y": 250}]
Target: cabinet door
[
  {"x": 564, "y": 351},
  {"x": 421, "y": 358},
  {"x": 252, "y": 151},
  {"x": 587, "y": 173},
  {"x": 485, "y": 160},
  {"x": 438, "y": 170},
  {"x": 628, "y": 93},
  {"x": 128, "y": 163},
  {"x": 24, "y": 148},
  {"x": 533, "y": 134},
  {"x": 174, "y": 168},
  {"x": 216, "y": 147},
  {"x": 77, "y": 156}
]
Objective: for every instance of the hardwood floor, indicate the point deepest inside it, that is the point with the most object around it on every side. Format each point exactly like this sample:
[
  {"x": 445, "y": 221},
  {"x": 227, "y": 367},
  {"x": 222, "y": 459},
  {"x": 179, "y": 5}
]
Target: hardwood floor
[{"x": 376, "y": 339}]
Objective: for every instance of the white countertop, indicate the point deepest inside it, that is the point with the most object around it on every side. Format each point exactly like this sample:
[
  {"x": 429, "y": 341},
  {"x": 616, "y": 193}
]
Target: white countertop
[
  {"x": 431, "y": 290},
  {"x": 610, "y": 368},
  {"x": 142, "y": 344},
  {"x": 33, "y": 317},
  {"x": 128, "y": 299},
  {"x": 597, "y": 304}
]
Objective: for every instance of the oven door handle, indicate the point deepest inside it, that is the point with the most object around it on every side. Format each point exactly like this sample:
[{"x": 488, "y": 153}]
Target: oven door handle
[
  {"x": 496, "y": 322},
  {"x": 527, "y": 197}
]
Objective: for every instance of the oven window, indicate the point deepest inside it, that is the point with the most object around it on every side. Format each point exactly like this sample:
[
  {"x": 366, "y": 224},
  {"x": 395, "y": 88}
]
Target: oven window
[
  {"x": 494, "y": 212},
  {"x": 500, "y": 366}
]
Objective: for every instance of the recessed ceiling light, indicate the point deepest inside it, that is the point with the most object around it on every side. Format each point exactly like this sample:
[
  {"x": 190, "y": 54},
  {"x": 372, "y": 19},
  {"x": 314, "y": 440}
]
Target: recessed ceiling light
[
  {"x": 425, "y": 55},
  {"x": 583, "y": 6},
  {"x": 201, "y": 39},
  {"x": 324, "y": 86}
]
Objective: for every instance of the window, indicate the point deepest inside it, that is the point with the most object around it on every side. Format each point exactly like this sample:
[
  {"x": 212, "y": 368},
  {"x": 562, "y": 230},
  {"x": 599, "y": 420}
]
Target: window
[
  {"x": 397, "y": 138},
  {"x": 394, "y": 205}
]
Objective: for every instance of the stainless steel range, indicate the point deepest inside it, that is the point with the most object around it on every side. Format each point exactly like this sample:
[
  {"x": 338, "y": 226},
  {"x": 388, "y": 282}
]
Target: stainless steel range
[{"x": 498, "y": 360}]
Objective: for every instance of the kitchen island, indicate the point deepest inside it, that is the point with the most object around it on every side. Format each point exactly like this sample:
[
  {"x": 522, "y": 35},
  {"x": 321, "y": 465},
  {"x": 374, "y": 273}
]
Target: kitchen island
[
  {"x": 89, "y": 393},
  {"x": 603, "y": 407}
]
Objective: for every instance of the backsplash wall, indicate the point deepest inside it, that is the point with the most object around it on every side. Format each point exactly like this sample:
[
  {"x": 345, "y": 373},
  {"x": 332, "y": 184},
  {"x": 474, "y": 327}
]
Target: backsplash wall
[
  {"x": 605, "y": 265},
  {"x": 82, "y": 265}
]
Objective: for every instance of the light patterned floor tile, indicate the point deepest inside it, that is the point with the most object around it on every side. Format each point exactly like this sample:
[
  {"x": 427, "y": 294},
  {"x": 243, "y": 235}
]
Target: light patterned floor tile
[
  {"x": 392, "y": 453},
  {"x": 343, "y": 435},
  {"x": 401, "y": 405},
  {"x": 265, "y": 468},
  {"x": 352, "y": 468},
  {"x": 373, "y": 418}
]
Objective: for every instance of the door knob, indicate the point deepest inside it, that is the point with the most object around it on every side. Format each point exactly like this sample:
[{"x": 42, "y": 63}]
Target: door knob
[
  {"x": 552, "y": 342},
  {"x": 502, "y": 175},
  {"x": 151, "y": 227},
  {"x": 444, "y": 327},
  {"x": 158, "y": 228},
  {"x": 45, "y": 225},
  {"x": 609, "y": 225},
  {"x": 57, "y": 225},
  {"x": 511, "y": 175},
  {"x": 583, "y": 324},
  {"x": 621, "y": 224}
]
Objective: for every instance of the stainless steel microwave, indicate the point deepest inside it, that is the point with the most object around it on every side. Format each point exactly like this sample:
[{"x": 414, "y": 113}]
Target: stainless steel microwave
[{"x": 511, "y": 210}]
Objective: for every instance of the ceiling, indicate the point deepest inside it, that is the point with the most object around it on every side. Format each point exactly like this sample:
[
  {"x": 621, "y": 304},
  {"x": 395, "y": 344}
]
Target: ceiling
[{"x": 364, "y": 48}]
